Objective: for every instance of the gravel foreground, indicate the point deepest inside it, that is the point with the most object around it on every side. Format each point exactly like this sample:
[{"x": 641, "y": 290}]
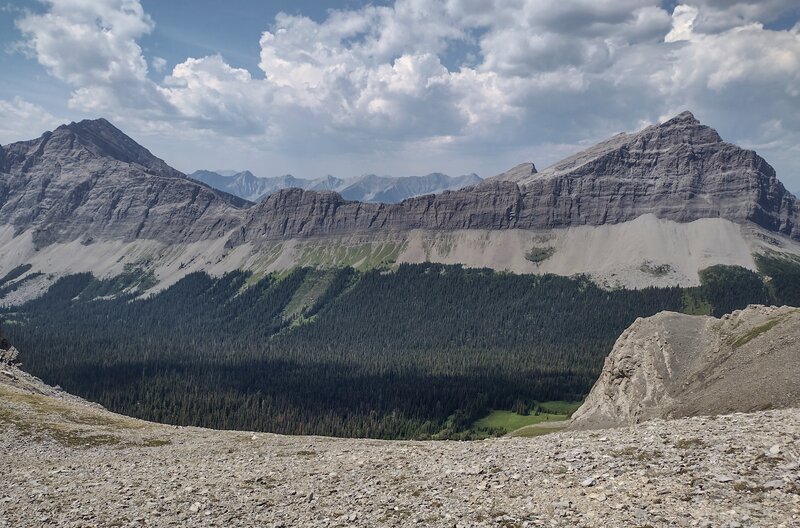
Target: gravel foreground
[{"x": 68, "y": 463}]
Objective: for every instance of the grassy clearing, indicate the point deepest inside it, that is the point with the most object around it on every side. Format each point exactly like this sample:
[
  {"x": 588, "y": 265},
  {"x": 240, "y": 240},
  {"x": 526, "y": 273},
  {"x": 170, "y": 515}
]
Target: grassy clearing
[
  {"x": 359, "y": 256},
  {"x": 508, "y": 421},
  {"x": 313, "y": 287}
]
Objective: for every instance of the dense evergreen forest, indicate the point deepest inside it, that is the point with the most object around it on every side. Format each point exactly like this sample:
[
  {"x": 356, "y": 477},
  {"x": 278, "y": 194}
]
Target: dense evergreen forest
[{"x": 418, "y": 352}]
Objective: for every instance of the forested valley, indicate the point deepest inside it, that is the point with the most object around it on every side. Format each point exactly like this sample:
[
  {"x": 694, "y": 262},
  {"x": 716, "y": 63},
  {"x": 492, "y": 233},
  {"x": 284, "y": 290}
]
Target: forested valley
[{"x": 421, "y": 351}]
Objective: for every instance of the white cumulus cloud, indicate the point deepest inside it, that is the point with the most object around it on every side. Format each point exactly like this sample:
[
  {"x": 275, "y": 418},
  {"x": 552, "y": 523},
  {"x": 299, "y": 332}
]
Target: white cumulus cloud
[{"x": 457, "y": 79}]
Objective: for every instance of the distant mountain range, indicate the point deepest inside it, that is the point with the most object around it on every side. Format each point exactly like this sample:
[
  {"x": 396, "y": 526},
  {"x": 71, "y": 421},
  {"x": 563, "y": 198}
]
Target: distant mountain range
[
  {"x": 366, "y": 188},
  {"x": 652, "y": 207}
]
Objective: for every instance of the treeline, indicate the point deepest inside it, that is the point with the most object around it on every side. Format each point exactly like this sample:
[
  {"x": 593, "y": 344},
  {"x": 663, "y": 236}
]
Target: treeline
[{"x": 417, "y": 353}]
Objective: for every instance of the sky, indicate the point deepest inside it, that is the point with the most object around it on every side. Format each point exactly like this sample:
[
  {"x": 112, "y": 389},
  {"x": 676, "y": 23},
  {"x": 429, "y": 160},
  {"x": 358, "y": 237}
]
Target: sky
[{"x": 404, "y": 87}]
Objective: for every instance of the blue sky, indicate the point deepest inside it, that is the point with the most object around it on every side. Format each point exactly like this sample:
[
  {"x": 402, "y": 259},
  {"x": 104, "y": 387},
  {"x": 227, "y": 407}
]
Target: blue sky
[{"x": 400, "y": 87}]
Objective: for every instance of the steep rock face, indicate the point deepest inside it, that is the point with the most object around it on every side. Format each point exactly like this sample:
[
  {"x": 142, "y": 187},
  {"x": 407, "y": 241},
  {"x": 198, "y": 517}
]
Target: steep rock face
[
  {"x": 674, "y": 365},
  {"x": 89, "y": 180},
  {"x": 679, "y": 170},
  {"x": 297, "y": 213}
]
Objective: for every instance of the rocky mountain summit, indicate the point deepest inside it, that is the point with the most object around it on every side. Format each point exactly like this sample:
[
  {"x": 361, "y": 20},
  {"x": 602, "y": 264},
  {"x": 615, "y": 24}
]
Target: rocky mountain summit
[
  {"x": 674, "y": 365},
  {"x": 72, "y": 463},
  {"x": 90, "y": 181},
  {"x": 679, "y": 170}
]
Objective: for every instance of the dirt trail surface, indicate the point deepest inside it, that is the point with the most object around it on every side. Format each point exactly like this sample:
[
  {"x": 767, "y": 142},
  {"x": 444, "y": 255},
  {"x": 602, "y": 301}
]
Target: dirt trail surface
[{"x": 67, "y": 463}]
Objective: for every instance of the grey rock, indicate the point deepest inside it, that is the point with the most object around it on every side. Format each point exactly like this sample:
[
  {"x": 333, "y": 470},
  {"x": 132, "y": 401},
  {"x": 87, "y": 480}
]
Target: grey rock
[
  {"x": 521, "y": 172},
  {"x": 291, "y": 213},
  {"x": 89, "y": 181},
  {"x": 679, "y": 170},
  {"x": 675, "y": 365},
  {"x": 774, "y": 484}
]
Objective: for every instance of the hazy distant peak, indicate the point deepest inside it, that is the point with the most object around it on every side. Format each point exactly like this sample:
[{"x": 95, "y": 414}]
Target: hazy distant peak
[{"x": 366, "y": 188}]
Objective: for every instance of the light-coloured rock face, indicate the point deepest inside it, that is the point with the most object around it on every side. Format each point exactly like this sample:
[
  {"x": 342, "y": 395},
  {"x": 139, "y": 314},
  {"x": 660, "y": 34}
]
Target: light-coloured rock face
[{"x": 675, "y": 365}]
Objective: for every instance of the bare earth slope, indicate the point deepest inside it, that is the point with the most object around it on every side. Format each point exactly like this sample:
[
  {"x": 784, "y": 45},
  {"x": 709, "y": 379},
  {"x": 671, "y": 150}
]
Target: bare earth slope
[
  {"x": 675, "y": 365},
  {"x": 67, "y": 463}
]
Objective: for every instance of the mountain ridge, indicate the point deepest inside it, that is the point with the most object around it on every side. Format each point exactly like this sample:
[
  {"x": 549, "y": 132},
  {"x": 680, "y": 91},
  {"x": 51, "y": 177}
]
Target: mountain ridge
[
  {"x": 88, "y": 188},
  {"x": 365, "y": 188}
]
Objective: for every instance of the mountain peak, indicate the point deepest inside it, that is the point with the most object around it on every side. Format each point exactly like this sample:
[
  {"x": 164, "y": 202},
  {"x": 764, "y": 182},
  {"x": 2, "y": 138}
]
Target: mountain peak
[
  {"x": 101, "y": 123},
  {"x": 683, "y": 128},
  {"x": 685, "y": 117},
  {"x": 102, "y": 138}
]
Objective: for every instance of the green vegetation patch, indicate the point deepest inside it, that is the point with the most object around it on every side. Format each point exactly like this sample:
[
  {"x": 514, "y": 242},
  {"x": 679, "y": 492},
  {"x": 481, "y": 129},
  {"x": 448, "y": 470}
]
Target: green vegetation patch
[
  {"x": 560, "y": 407},
  {"x": 313, "y": 287},
  {"x": 695, "y": 304},
  {"x": 505, "y": 422},
  {"x": 364, "y": 256},
  {"x": 783, "y": 276},
  {"x": 755, "y": 332},
  {"x": 132, "y": 280},
  {"x": 724, "y": 289},
  {"x": 540, "y": 254}
]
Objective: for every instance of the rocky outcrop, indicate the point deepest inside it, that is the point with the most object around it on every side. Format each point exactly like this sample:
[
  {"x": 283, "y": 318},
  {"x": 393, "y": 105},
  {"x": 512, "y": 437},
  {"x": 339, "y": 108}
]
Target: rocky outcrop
[
  {"x": 521, "y": 172},
  {"x": 674, "y": 365},
  {"x": 88, "y": 180}
]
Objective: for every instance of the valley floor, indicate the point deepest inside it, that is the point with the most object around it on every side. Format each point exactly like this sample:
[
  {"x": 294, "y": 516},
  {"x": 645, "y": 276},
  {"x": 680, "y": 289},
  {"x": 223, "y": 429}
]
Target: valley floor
[{"x": 69, "y": 463}]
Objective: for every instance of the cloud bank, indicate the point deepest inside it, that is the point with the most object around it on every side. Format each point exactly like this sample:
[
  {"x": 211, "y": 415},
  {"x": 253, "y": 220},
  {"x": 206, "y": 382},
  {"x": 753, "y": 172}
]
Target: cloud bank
[{"x": 433, "y": 78}]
